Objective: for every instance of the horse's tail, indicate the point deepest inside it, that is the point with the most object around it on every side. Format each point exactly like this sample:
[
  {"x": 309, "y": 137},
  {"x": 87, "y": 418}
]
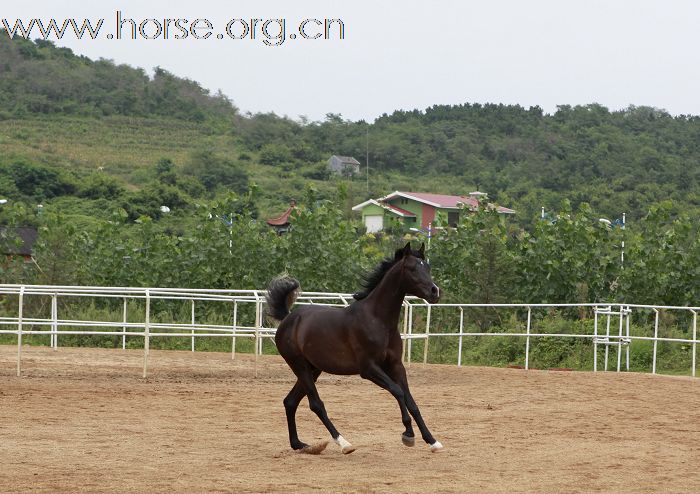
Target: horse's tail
[{"x": 281, "y": 294}]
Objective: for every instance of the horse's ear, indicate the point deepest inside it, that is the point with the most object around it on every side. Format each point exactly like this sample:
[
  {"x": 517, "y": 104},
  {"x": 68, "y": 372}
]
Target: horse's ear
[
  {"x": 401, "y": 253},
  {"x": 422, "y": 250}
]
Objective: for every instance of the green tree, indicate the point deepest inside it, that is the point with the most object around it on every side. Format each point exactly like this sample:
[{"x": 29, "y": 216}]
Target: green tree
[{"x": 214, "y": 171}]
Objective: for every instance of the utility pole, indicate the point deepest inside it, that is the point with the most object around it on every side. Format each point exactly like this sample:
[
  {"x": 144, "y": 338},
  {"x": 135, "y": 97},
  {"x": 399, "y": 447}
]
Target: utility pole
[
  {"x": 622, "y": 250},
  {"x": 367, "y": 156}
]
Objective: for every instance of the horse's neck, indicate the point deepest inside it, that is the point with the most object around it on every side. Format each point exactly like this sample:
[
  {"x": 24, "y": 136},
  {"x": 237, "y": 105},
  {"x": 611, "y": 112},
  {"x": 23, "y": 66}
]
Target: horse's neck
[{"x": 386, "y": 299}]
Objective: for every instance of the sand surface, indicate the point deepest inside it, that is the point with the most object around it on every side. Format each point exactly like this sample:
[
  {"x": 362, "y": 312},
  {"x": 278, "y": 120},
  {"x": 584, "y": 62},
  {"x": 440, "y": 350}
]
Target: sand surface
[{"x": 83, "y": 420}]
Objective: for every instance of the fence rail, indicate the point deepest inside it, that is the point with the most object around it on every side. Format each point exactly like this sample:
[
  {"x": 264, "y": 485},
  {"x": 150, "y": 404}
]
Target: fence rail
[{"x": 611, "y": 321}]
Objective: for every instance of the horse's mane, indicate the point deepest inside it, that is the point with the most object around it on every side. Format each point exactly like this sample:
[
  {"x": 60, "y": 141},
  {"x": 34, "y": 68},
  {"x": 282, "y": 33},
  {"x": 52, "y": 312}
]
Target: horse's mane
[{"x": 372, "y": 279}]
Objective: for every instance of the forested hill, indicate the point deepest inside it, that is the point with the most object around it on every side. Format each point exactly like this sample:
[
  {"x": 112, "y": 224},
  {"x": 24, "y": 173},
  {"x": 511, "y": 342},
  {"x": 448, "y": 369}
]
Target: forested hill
[
  {"x": 621, "y": 161},
  {"x": 618, "y": 161},
  {"x": 52, "y": 102},
  {"x": 41, "y": 78}
]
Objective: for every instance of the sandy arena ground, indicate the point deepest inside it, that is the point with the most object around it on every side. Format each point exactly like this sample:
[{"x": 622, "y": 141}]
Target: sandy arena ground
[{"x": 82, "y": 420}]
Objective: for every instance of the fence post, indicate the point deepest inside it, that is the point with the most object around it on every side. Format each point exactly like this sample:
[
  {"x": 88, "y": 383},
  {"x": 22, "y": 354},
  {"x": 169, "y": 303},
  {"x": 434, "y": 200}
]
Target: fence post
[
  {"x": 619, "y": 338},
  {"x": 257, "y": 331},
  {"x": 695, "y": 338},
  {"x": 627, "y": 334},
  {"x": 409, "y": 346},
  {"x": 19, "y": 331},
  {"x": 261, "y": 338},
  {"x": 595, "y": 339},
  {"x": 54, "y": 322},
  {"x": 404, "y": 330},
  {"x": 146, "y": 332},
  {"x": 192, "y": 320},
  {"x": 656, "y": 341},
  {"x": 527, "y": 339},
  {"x": 124, "y": 314},
  {"x": 427, "y": 332},
  {"x": 461, "y": 336},
  {"x": 235, "y": 328},
  {"x": 607, "y": 336}
]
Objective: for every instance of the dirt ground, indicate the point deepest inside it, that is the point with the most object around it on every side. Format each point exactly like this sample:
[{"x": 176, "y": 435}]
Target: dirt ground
[{"x": 83, "y": 420}]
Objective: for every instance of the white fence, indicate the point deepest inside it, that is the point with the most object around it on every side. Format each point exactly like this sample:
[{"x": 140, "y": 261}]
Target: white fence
[{"x": 245, "y": 309}]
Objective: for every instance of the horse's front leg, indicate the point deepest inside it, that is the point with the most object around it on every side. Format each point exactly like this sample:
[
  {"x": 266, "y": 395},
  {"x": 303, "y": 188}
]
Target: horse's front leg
[
  {"x": 397, "y": 372},
  {"x": 378, "y": 376}
]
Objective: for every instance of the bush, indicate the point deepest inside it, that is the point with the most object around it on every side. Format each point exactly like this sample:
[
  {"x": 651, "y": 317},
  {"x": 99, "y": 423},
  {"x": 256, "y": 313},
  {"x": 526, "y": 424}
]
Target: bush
[
  {"x": 215, "y": 172},
  {"x": 100, "y": 186},
  {"x": 36, "y": 181}
]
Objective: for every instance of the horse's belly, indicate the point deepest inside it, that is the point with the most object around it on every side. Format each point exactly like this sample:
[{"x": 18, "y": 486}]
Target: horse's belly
[
  {"x": 332, "y": 368},
  {"x": 331, "y": 355}
]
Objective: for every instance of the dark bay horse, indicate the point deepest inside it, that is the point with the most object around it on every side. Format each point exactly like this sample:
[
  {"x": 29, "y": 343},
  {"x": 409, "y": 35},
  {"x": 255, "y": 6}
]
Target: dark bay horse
[{"x": 362, "y": 338}]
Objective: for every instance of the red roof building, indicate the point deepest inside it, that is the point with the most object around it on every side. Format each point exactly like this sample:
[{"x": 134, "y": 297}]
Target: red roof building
[
  {"x": 419, "y": 209},
  {"x": 281, "y": 222}
]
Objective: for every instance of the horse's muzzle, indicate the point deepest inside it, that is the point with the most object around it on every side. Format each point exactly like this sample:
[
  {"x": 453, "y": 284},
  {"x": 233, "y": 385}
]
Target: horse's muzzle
[{"x": 434, "y": 294}]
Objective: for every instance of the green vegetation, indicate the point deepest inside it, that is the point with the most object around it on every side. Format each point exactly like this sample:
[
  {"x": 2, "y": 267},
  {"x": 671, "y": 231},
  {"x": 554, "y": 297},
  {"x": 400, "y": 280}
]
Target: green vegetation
[
  {"x": 485, "y": 259},
  {"x": 103, "y": 147},
  {"x": 79, "y": 118}
]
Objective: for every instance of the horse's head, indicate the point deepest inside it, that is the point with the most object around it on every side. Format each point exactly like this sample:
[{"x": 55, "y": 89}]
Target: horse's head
[{"x": 415, "y": 274}]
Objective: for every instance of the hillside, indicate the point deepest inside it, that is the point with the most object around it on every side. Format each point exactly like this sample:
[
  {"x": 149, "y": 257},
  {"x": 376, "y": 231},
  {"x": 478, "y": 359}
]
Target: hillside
[
  {"x": 96, "y": 136},
  {"x": 40, "y": 78}
]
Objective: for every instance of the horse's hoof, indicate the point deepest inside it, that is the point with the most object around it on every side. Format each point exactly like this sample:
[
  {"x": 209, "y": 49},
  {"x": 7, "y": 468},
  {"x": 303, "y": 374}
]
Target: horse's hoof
[
  {"x": 315, "y": 449},
  {"x": 409, "y": 441},
  {"x": 436, "y": 447},
  {"x": 345, "y": 447}
]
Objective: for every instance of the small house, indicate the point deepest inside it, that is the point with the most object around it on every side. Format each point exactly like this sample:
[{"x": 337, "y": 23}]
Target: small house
[
  {"x": 18, "y": 242},
  {"x": 418, "y": 209},
  {"x": 281, "y": 223},
  {"x": 343, "y": 165}
]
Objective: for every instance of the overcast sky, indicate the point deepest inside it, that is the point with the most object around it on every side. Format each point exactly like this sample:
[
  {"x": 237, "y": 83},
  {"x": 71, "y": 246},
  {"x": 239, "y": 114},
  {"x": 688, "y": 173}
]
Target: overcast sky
[{"x": 410, "y": 54}]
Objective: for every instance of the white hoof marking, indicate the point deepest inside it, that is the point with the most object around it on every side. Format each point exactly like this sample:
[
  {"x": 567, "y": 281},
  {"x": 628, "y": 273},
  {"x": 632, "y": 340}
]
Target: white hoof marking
[
  {"x": 436, "y": 446},
  {"x": 345, "y": 447}
]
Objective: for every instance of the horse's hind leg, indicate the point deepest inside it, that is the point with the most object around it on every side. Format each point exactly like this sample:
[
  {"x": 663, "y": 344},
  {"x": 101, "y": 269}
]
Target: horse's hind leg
[
  {"x": 291, "y": 403},
  {"x": 308, "y": 380}
]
